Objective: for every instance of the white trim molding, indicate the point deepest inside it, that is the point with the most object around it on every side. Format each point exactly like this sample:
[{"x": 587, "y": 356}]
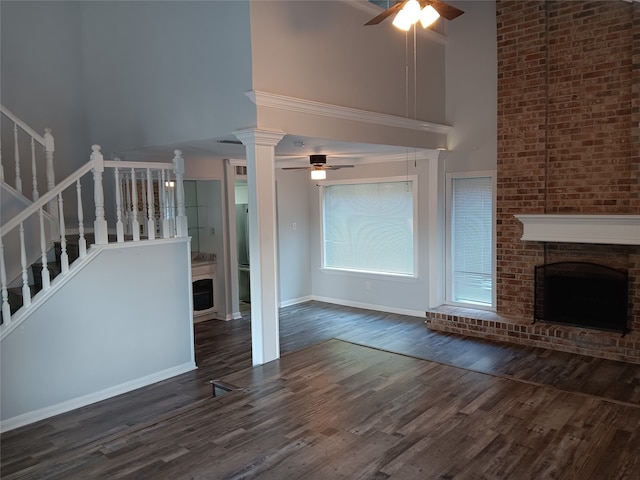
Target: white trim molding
[
  {"x": 602, "y": 229},
  {"x": 299, "y": 105}
]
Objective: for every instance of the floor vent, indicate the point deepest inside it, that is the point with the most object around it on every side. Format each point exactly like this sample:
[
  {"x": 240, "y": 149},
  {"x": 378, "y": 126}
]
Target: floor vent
[{"x": 218, "y": 388}]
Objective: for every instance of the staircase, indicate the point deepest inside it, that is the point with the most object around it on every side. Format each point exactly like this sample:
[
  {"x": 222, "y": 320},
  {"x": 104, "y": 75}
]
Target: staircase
[
  {"x": 54, "y": 268},
  {"x": 149, "y": 204},
  {"x": 47, "y": 251}
]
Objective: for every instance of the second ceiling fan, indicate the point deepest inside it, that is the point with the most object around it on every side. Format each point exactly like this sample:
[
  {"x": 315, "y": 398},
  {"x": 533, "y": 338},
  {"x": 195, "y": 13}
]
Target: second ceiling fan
[
  {"x": 318, "y": 167},
  {"x": 412, "y": 11}
]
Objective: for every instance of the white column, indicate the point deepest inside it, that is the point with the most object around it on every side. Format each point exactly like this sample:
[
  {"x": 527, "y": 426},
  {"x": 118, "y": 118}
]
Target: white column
[{"x": 260, "y": 148}]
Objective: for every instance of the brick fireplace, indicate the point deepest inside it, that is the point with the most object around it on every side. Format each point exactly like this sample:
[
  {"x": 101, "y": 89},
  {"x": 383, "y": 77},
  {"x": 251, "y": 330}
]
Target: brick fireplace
[{"x": 568, "y": 143}]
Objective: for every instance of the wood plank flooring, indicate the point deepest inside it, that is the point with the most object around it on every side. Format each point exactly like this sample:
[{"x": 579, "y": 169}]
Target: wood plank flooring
[{"x": 341, "y": 404}]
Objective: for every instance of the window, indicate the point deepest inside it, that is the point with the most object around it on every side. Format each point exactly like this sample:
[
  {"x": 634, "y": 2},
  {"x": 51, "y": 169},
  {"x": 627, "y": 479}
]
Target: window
[
  {"x": 470, "y": 235},
  {"x": 369, "y": 227}
]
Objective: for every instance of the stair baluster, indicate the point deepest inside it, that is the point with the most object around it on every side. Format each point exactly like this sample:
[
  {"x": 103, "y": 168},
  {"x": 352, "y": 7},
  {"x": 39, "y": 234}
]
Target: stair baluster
[
  {"x": 181, "y": 217},
  {"x": 143, "y": 194},
  {"x": 6, "y": 308},
  {"x": 127, "y": 203},
  {"x": 16, "y": 157},
  {"x": 33, "y": 170},
  {"x": 135, "y": 226},
  {"x": 171, "y": 204},
  {"x": 162, "y": 188},
  {"x": 119, "y": 226},
  {"x": 45, "y": 140},
  {"x": 1, "y": 164},
  {"x": 82, "y": 242},
  {"x": 64, "y": 257},
  {"x": 151, "y": 222},
  {"x": 26, "y": 290},
  {"x": 46, "y": 277}
]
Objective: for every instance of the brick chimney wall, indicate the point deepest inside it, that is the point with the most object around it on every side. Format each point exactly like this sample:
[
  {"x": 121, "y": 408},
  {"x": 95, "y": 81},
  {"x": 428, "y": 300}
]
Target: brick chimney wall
[{"x": 568, "y": 134}]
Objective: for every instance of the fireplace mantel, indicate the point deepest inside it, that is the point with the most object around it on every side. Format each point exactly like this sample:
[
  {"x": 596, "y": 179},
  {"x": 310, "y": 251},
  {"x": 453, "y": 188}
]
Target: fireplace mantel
[{"x": 577, "y": 228}]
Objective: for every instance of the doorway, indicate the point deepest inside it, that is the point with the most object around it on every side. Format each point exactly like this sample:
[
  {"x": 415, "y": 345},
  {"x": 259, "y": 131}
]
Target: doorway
[{"x": 242, "y": 241}]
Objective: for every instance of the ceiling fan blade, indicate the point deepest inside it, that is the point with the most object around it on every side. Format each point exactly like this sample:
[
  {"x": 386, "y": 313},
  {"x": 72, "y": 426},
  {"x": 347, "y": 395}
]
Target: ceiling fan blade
[
  {"x": 295, "y": 168},
  {"x": 337, "y": 167},
  {"x": 445, "y": 10},
  {"x": 389, "y": 11}
]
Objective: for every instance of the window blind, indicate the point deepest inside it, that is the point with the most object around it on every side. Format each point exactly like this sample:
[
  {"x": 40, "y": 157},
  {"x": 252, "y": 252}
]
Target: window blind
[
  {"x": 472, "y": 240},
  {"x": 369, "y": 227}
]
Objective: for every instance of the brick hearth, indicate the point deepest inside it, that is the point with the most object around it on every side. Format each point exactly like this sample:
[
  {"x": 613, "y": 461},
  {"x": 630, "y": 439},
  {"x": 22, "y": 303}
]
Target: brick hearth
[
  {"x": 568, "y": 142},
  {"x": 493, "y": 326}
]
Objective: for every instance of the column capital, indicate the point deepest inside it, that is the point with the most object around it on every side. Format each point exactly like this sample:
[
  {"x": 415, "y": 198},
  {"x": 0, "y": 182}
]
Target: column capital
[{"x": 257, "y": 136}]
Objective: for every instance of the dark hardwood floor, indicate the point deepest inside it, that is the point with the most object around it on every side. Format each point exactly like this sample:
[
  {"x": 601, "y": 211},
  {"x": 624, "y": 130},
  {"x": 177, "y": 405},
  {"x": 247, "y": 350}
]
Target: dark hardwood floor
[{"x": 356, "y": 394}]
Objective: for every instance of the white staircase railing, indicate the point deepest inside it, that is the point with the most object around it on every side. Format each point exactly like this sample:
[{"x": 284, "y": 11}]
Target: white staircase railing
[
  {"x": 19, "y": 129},
  {"x": 158, "y": 187}
]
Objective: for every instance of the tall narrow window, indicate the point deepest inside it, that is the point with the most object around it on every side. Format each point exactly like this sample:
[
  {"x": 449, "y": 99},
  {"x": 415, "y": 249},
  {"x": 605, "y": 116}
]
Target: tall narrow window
[
  {"x": 471, "y": 240},
  {"x": 369, "y": 227}
]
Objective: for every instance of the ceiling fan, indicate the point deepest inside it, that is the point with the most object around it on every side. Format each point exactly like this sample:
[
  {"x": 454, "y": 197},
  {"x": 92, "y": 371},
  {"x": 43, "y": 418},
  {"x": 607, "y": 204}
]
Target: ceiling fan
[
  {"x": 318, "y": 167},
  {"x": 410, "y": 11}
]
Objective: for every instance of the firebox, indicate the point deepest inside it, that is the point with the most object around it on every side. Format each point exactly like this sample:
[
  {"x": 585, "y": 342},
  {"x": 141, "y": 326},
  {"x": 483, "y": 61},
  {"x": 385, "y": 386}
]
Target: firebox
[{"x": 583, "y": 294}]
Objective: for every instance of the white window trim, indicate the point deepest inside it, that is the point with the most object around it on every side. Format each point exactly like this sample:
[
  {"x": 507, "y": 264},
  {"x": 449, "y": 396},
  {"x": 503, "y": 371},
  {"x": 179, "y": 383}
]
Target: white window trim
[
  {"x": 368, "y": 273},
  {"x": 448, "y": 261}
]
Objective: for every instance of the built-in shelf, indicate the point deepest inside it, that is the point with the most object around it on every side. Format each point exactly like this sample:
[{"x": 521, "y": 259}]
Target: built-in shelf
[{"x": 577, "y": 228}]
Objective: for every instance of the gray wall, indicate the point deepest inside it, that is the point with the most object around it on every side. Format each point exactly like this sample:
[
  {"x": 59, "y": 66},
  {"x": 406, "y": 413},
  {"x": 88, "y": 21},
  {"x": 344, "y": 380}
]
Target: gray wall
[
  {"x": 162, "y": 72},
  {"x": 41, "y": 77},
  {"x": 294, "y": 233},
  {"x": 471, "y": 78},
  {"x": 320, "y": 51},
  {"x": 102, "y": 331}
]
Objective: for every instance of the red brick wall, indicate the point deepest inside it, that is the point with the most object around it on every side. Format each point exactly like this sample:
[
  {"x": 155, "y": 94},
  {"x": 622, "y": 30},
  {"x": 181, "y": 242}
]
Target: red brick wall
[{"x": 568, "y": 133}]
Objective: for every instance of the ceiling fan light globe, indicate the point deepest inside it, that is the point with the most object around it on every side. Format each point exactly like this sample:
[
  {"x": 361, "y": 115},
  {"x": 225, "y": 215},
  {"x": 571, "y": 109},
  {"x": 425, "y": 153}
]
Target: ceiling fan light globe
[
  {"x": 402, "y": 21},
  {"x": 412, "y": 7},
  {"x": 428, "y": 15},
  {"x": 318, "y": 174}
]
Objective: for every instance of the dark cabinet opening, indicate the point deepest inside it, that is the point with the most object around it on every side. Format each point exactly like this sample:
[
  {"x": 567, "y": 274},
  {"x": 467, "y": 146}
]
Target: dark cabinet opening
[{"x": 202, "y": 294}]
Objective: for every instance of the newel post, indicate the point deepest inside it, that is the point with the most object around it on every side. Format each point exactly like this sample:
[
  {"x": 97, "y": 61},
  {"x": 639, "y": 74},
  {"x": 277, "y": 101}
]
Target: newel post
[
  {"x": 181, "y": 217},
  {"x": 49, "y": 148},
  {"x": 100, "y": 224},
  {"x": 52, "y": 206}
]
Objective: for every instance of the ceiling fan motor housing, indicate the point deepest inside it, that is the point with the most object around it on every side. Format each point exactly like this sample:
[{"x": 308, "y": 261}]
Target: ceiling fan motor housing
[{"x": 318, "y": 159}]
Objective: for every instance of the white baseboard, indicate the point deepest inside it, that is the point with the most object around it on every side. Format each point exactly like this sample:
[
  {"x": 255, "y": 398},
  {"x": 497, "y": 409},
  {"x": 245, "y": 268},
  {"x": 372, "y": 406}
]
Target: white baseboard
[
  {"x": 295, "y": 301},
  {"x": 368, "y": 306},
  {"x": 68, "y": 405}
]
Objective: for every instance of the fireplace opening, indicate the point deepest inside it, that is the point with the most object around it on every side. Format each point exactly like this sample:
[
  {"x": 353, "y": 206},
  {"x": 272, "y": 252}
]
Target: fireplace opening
[{"x": 583, "y": 294}]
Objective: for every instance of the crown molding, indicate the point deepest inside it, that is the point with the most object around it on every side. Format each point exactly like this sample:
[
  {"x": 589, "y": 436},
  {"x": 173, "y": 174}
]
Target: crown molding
[{"x": 299, "y": 105}]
